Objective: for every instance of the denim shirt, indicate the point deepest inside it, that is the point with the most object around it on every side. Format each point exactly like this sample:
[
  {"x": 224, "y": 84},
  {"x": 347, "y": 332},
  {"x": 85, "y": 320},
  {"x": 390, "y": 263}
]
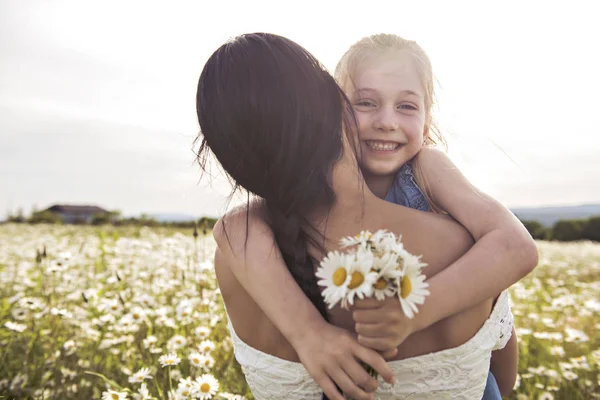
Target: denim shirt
[{"x": 405, "y": 191}]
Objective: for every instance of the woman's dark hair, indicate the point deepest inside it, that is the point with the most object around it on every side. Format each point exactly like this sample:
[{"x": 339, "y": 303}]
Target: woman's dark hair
[{"x": 274, "y": 118}]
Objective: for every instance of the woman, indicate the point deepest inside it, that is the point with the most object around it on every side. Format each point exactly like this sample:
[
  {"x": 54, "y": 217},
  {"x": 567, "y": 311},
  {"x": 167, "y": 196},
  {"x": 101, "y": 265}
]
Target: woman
[{"x": 283, "y": 130}]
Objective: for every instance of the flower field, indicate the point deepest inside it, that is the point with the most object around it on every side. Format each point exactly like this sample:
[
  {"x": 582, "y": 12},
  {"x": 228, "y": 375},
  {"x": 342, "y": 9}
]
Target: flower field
[{"x": 135, "y": 313}]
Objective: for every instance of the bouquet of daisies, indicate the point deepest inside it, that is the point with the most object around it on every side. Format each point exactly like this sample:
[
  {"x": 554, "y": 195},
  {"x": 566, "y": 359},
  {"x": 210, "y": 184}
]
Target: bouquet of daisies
[{"x": 373, "y": 264}]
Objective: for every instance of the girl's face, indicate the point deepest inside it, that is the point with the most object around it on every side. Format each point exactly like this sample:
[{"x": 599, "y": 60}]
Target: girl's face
[{"x": 389, "y": 103}]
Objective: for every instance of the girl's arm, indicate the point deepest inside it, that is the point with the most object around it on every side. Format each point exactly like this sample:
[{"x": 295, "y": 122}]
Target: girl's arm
[
  {"x": 504, "y": 251},
  {"x": 504, "y": 365},
  {"x": 329, "y": 353}
]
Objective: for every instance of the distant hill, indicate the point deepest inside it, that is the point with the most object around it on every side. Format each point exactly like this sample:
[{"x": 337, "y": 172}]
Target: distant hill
[{"x": 549, "y": 215}]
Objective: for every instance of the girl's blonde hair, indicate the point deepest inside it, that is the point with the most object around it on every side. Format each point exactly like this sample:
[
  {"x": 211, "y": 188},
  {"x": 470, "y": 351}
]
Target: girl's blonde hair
[{"x": 370, "y": 46}]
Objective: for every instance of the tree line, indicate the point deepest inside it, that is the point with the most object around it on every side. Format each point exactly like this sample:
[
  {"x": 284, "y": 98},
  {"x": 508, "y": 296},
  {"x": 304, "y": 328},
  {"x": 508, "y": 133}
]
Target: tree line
[
  {"x": 563, "y": 230},
  {"x": 566, "y": 230}
]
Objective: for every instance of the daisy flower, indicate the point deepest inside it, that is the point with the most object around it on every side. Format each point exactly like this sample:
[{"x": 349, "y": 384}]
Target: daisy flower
[
  {"x": 333, "y": 271},
  {"x": 184, "y": 392},
  {"x": 114, "y": 395},
  {"x": 206, "y": 346},
  {"x": 144, "y": 394},
  {"x": 139, "y": 376},
  {"x": 361, "y": 278},
  {"x": 205, "y": 387},
  {"x": 202, "y": 332},
  {"x": 177, "y": 342},
  {"x": 170, "y": 359},
  {"x": 412, "y": 288},
  {"x": 388, "y": 273},
  {"x": 13, "y": 326},
  {"x": 363, "y": 239},
  {"x": 207, "y": 362},
  {"x": 196, "y": 359}
]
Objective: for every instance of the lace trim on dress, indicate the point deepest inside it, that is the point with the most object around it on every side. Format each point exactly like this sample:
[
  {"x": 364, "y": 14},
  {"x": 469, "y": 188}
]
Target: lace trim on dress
[{"x": 456, "y": 373}]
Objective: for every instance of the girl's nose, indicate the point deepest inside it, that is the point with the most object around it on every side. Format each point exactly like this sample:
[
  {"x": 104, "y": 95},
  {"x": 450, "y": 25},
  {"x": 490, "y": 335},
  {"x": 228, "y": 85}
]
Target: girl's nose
[{"x": 387, "y": 121}]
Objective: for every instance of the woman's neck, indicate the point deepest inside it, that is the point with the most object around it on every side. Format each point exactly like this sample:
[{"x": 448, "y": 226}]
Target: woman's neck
[{"x": 352, "y": 199}]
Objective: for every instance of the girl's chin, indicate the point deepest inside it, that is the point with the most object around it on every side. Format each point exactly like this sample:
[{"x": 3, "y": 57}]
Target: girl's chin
[{"x": 379, "y": 171}]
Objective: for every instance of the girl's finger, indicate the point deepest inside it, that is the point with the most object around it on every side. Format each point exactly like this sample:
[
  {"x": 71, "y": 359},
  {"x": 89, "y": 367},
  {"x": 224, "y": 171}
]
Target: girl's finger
[
  {"x": 379, "y": 344},
  {"x": 366, "y": 316},
  {"x": 372, "y": 330}
]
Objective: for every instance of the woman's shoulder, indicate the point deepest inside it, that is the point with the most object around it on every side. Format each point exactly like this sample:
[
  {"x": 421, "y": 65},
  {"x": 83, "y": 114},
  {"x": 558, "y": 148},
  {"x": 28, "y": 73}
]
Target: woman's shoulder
[{"x": 243, "y": 228}]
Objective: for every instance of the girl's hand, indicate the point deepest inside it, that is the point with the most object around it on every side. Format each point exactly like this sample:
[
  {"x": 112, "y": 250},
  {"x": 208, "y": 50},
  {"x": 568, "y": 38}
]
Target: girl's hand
[
  {"x": 381, "y": 325},
  {"x": 332, "y": 356}
]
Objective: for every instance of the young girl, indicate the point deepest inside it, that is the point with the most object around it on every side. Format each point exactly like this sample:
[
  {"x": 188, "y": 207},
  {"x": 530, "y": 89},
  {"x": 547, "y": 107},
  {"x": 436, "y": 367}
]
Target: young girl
[
  {"x": 389, "y": 81},
  {"x": 390, "y": 84}
]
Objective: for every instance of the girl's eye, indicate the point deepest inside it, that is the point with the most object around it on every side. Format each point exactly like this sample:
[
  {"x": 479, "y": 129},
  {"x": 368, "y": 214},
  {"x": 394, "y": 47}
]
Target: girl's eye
[
  {"x": 364, "y": 103},
  {"x": 408, "y": 107}
]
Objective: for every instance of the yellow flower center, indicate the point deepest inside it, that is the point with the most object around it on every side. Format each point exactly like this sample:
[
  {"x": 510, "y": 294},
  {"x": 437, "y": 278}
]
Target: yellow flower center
[
  {"x": 207, "y": 363},
  {"x": 406, "y": 287},
  {"x": 356, "y": 281},
  {"x": 205, "y": 388},
  {"x": 114, "y": 396},
  {"x": 196, "y": 361},
  {"x": 339, "y": 276},
  {"x": 207, "y": 349},
  {"x": 380, "y": 284}
]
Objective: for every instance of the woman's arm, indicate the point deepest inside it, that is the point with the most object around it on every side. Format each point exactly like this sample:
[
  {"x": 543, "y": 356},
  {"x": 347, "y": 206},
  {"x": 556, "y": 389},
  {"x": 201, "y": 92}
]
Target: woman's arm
[
  {"x": 504, "y": 365},
  {"x": 504, "y": 251},
  {"x": 329, "y": 353}
]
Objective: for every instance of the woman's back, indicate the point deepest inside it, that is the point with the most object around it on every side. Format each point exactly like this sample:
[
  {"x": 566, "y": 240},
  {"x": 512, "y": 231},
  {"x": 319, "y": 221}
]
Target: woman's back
[{"x": 438, "y": 238}]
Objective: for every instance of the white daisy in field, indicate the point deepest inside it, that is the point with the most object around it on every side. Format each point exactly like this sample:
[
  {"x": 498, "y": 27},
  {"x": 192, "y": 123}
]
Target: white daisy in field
[
  {"x": 202, "y": 332},
  {"x": 196, "y": 359},
  {"x": 361, "y": 278},
  {"x": 184, "y": 392},
  {"x": 138, "y": 377},
  {"x": 575, "y": 335},
  {"x": 177, "y": 342},
  {"x": 114, "y": 395},
  {"x": 570, "y": 375},
  {"x": 412, "y": 289},
  {"x": 207, "y": 362},
  {"x": 13, "y": 326},
  {"x": 137, "y": 315},
  {"x": 170, "y": 360},
  {"x": 149, "y": 341},
  {"x": 206, "y": 346},
  {"x": 143, "y": 393},
  {"x": 185, "y": 383},
  {"x": 205, "y": 387},
  {"x": 334, "y": 276},
  {"x": 546, "y": 396}
]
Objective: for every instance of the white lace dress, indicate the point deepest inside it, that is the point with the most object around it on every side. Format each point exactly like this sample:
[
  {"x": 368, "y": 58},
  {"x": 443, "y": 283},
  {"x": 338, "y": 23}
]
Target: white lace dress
[{"x": 456, "y": 373}]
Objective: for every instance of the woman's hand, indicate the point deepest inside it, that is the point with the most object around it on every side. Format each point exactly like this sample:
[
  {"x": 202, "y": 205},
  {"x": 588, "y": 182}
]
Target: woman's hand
[
  {"x": 332, "y": 356},
  {"x": 381, "y": 325}
]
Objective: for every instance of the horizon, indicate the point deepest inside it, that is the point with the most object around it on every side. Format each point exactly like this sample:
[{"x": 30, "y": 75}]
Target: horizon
[{"x": 98, "y": 106}]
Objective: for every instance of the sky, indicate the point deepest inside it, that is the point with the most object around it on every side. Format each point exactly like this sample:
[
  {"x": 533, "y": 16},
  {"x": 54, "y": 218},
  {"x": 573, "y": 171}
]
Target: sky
[{"x": 97, "y": 98}]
